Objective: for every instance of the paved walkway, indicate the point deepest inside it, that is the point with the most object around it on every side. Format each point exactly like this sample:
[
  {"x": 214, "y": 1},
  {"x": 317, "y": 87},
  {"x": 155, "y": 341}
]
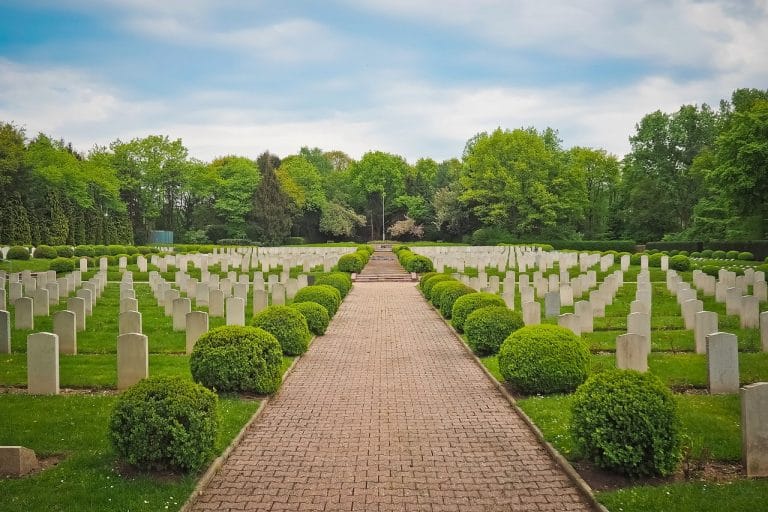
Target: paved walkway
[{"x": 388, "y": 412}]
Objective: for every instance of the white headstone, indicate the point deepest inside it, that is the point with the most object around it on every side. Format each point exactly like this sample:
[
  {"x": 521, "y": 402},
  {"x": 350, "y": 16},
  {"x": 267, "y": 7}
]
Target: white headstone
[
  {"x": 181, "y": 307},
  {"x": 132, "y": 359},
  {"x": 128, "y": 322},
  {"x": 65, "y": 327},
  {"x": 24, "y": 317},
  {"x": 754, "y": 434},
  {"x": 235, "y": 311},
  {"x": 631, "y": 352},
  {"x": 197, "y": 325},
  {"x": 722, "y": 363},
  {"x": 43, "y": 364}
]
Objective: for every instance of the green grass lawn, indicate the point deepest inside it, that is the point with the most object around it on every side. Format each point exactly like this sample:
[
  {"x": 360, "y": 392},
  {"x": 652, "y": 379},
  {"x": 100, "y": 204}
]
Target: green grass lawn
[{"x": 89, "y": 477}]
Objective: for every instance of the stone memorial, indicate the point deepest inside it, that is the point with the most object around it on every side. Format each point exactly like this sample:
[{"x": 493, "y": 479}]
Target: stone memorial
[
  {"x": 5, "y": 332},
  {"x": 705, "y": 323},
  {"x": 631, "y": 352},
  {"x": 197, "y": 325},
  {"x": 43, "y": 364},
  {"x": 722, "y": 363},
  {"x": 132, "y": 359},
  {"x": 24, "y": 317},
  {"x": 216, "y": 303},
  {"x": 235, "y": 311},
  {"x": 754, "y": 434},
  {"x": 65, "y": 327},
  {"x": 181, "y": 307},
  {"x": 16, "y": 461},
  {"x": 531, "y": 313},
  {"x": 129, "y": 322}
]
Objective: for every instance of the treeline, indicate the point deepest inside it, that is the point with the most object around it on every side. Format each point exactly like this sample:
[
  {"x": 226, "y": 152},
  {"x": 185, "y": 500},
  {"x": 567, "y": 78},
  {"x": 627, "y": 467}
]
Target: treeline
[{"x": 695, "y": 174}]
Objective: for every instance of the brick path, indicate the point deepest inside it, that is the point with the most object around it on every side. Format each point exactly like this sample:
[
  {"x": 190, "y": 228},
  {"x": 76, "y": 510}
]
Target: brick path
[{"x": 388, "y": 412}]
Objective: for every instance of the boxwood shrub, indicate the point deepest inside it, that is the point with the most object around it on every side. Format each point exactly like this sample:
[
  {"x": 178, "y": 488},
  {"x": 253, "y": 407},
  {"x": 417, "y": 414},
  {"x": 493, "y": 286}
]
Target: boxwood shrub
[
  {"x": 487, "y": 328},
  {"x": 165, "y": 423},
  {"x": 448, "y": 296},
  {"x": 627, "y": 421},
  {"x": 711, "y": 270},
  {"x": 339, "y": 280},
  {"x": 706, "y": 253},
  {"x": 237, "y": 358},
  {"x": 64, "y": 251},
  {"x": 85, "y": 250},
  {"x": 746, "y": 256},
  {"x": 419, "y": 264},
  {"x": 45, "y": 252},
  {"x": 426, "y": 288},
  {"x": 732, "y": 255},
  {"x": 424, "y": 277},
  {"x": 315, "y": 314},
  {"x": 680, "y": 263},
  {"x": 351, "y": 263},
  {"x": 62, "y": 265},
  {"x": 654, "y": 260},
  {"x": 718, "y": 255},
  {"x": 17, "y": 252},
  {"x": 468, "y": 303},
  {"x": 543, "y": 359},
  {"x": 286, "y": 324},
  {"x": 325, "y": 295}
]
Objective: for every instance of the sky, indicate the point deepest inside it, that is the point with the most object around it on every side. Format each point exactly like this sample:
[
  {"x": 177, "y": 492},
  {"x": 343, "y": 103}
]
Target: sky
[{"x": 417, "y": 78}]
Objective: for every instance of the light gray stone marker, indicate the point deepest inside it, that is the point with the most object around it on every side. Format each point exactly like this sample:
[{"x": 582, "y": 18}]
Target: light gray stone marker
[
  {"x": 722, "y": 363},
  {"x": 41, "y": 306},
  {"x": 278, "y": 293},
  {"x": 168, "y": 297},
  {"x": 17, "y": 461},
  {"x": 705, "y": 322},
  {"x": 260, "y": 300},
  {"x": 764, "y": 330},
  {"x": 750, "y": 312},
  {"x": 87, "y": 296},
  {"x": 197, "y": 325},
  {"x": 631, "y": 353},
  {"x": 571, "y": 322},
  {"x": 128, "y": 322},
  {"x": 77, "y": 306},
  {"x": 689, "y": 309},
  {"x": 43, "y": 364},
  {"x": 64, "y": 326},
  {"x": 129, "y": 305},
  {"x": 5, "y": 332},
  {"x": 640, "y": 323},
  {"x": 53, "y": 293},
  {"x": 552, "y": 303},
  {"x": 132, "y": 359},
  {"x": 583, "y": 310},
  {"x": 754, "y": 434},
  {"x": 181, "y": 307},
  {"x": 531, "y": 313},
  {"x": 216, "y": 303},
  {"x": 24, "y": 317},
  {"x": 732, "y": 301},
  {"x": 235, "y": 311}
]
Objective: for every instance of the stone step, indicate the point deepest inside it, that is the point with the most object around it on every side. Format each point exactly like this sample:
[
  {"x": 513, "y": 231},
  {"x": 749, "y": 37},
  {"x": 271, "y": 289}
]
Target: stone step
[{"x": 362, "y": 278}]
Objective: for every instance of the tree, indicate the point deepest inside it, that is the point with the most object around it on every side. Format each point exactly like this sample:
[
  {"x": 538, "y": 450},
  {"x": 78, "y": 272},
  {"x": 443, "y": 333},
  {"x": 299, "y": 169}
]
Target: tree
[
  {"x": 339, "y": 221},
  {"x": 235, "y": 180},
  {"x": 741, "y": 161},
  {"x": 506, "y": 181},
  {"x": 599, "y": 172},
  {"x": 660, "y": 190},
  {"x": 378, "y": 180},
  {"x": 271, "y": 217}
]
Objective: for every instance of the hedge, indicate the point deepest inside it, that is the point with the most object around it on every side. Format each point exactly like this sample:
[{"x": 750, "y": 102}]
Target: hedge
[{"x": 675, "y": 246}]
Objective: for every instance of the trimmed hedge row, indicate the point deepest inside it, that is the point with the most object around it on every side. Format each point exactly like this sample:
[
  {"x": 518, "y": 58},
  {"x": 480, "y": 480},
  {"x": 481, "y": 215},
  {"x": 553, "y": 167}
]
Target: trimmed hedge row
[
  {"x": 412, "y": 262},
  {"x": 758, "y": 248}
]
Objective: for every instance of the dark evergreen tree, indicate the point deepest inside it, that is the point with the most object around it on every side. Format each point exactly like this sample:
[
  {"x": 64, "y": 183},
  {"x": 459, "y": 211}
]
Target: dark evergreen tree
[{"x": 270, "y": 221}]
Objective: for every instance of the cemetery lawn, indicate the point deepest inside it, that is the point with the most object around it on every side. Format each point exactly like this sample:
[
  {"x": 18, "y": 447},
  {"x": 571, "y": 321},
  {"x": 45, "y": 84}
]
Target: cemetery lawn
[{"x": 89, "y": 477}]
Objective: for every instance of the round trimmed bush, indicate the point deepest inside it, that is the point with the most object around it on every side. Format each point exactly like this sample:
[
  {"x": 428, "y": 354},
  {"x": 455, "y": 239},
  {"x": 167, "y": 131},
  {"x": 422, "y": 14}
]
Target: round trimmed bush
[
  {"x": 437, "y": 291},
  {"x": 316, "y": 316},
  {"x": 426, "y": 289},
  {"x": 543, "y": 359},
  {"x": 627, "y": 421},
  {"x": 746, "y": 256},
  {"x": 419, "y": 264},
  {"x": 487, "y": 328},
  {"x": 62, "y": 265},
  {"x": 325, "y": 295},
  {"x": 635, "y": 258},
  {"x": 695, "y": 254},
  {"x": 339, "y": 280},
  {"x": 17, "y": 252},
  {"x": 448, "y": 296},
  {"x": 718, "y": 255},
  {"x": 732, "y": 255},
  {"x": 165, "y": 423},
  {"x": 351, "y": 263},
  {"x": 680, "y": 263},
  {"x": 64, "y": 251},
  {"x": 468, "y": 303},
  {"x": 706, "y": 253},
  {"x": 237, "y": 358},
  {"x": 44, "y": 252},
  {"x": 287, "y": 325},
  {"x": 654, "y": 260},
  {"x": 683, "y": 253},
  {"x": 711, "y": 270},
  {"x": 424, "y": 277},
  {"x": 85, "y": 251}
]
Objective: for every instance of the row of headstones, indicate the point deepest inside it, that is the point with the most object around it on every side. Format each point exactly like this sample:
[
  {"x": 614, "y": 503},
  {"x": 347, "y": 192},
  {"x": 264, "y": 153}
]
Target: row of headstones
[
  {"x": 25, "y": 284},
  {"x": 66, "y": 322},
  {"x": 585, "y": 311}
]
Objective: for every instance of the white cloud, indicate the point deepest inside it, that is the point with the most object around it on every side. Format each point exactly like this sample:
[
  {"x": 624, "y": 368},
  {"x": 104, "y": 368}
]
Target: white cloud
[{"x": 403, "y": 115}]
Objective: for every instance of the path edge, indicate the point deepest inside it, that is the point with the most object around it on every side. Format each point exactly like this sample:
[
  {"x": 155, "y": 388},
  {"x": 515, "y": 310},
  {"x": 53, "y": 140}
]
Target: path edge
[
  {"x": 219, "y": 461},
  {"x": 561, "y": 461}
]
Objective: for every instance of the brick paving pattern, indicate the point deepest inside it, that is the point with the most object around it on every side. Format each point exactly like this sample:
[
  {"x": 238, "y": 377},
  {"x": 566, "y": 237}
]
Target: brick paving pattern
[{"x": 388, "y": 412}]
